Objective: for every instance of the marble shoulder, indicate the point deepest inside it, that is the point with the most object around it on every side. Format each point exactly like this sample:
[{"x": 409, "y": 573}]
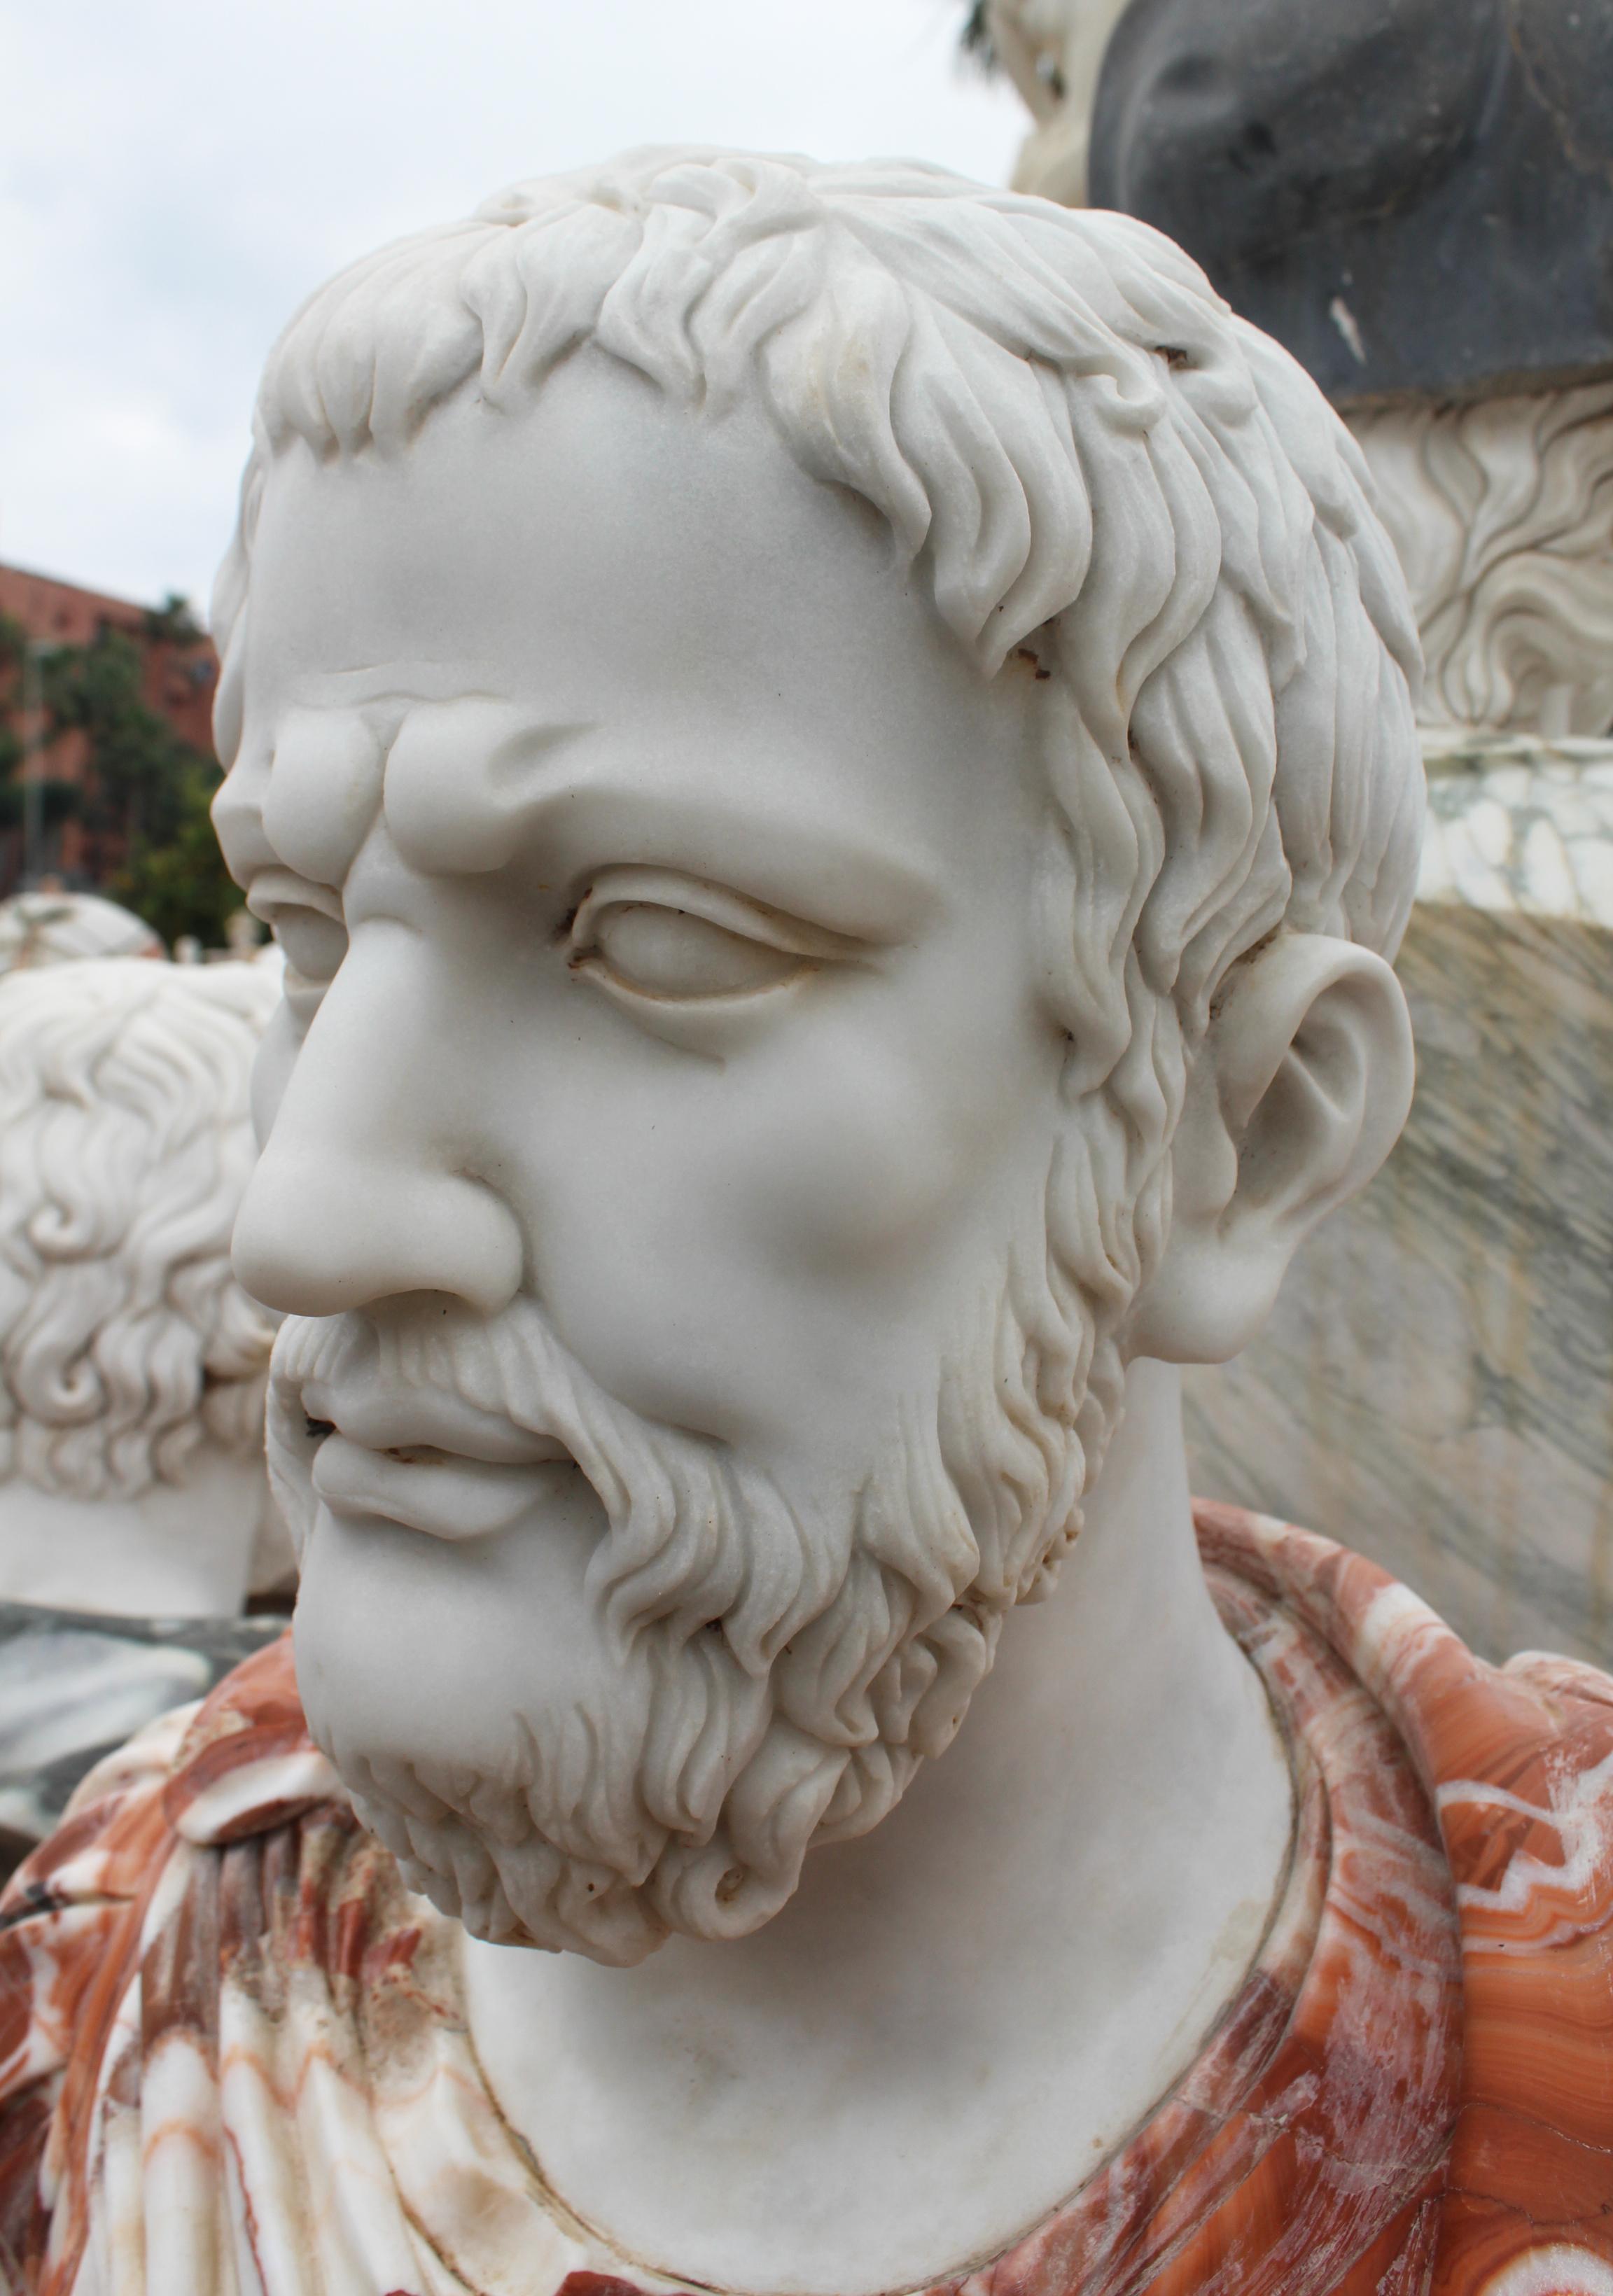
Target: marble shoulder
[{"x": 1516, "y": 1764}]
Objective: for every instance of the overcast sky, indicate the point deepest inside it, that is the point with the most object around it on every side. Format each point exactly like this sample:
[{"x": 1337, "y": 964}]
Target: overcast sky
[{"x": 175, "y": 175}]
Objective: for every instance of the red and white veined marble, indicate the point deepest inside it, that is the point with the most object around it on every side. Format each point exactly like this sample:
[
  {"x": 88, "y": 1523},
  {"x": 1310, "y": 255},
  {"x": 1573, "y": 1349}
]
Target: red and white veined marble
[{"x": 234, "y": 2057}]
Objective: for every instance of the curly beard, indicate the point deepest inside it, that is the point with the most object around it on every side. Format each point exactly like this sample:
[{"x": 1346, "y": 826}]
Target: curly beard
[{"x": 770, "y": 1682}]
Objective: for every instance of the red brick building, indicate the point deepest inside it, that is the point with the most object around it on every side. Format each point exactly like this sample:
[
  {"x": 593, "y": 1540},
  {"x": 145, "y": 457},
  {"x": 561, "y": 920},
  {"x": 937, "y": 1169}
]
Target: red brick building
[{"x": 180, "y": 676}]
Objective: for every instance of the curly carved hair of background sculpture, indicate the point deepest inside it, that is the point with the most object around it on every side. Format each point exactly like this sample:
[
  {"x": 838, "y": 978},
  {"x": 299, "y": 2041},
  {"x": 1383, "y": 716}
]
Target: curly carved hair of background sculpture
[
  {"x": 125, "y": 1145},
  {"x": 1502, "y": 513}
]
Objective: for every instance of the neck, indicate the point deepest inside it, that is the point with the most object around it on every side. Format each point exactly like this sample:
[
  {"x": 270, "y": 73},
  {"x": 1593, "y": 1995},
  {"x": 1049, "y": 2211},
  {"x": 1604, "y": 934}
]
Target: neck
[
  {"x": 177, "y": 1550},
  {"x": 954, "y": 2019}
]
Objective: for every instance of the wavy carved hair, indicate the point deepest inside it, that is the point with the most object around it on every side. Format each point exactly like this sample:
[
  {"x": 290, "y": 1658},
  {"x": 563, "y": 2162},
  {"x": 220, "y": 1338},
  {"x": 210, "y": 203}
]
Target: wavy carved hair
[
  {"x": 125, "y": 1145},
  {"x": 1076, "y": 443},
  {"x": 1502, "y": 513}
]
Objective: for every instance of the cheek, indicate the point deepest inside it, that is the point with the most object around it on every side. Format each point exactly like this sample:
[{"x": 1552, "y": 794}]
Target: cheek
[
  {"x": 865, "y": 1153},
  {"x": 870, "y": 1168},
  {"x": 713, "y": 1239}
]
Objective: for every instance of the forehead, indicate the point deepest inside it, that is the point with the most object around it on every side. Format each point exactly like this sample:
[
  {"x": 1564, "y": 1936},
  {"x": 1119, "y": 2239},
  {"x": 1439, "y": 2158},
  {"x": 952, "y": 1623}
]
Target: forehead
[{"x": 610, "y": 580}]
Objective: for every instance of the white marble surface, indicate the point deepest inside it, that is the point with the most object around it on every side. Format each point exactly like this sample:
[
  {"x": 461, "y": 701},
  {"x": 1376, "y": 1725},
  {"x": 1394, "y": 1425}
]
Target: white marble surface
[
  {"x": 1438, "y": 1384},
  {"x": 61, "y": 928},
  {"x": 1520, "y": 827}
]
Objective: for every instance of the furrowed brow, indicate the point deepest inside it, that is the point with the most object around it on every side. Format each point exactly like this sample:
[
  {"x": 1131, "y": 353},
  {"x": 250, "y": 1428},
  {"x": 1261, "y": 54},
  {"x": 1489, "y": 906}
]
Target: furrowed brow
[
  {"x": 322, "y": 790},
  {"x": 463, "y": 780}
]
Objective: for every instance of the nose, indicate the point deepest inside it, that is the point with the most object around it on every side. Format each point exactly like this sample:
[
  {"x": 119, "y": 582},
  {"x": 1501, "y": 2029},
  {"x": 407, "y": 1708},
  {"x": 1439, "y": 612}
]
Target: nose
[
  {"x": 360, "y": 1196},
  {"x": 314, "y": 1239}
]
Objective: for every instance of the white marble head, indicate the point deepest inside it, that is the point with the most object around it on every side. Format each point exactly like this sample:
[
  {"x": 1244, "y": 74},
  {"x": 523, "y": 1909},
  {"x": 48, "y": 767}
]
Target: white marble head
[
  {"x": 45, "y": 928},
  {"x": 132, "y": 1364},
  {"x": 776, "y": 711}
]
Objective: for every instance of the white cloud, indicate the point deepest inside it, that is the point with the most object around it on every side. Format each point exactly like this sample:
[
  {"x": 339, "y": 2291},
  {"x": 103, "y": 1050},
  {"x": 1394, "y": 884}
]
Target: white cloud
[{"x": 177, "y": 176}]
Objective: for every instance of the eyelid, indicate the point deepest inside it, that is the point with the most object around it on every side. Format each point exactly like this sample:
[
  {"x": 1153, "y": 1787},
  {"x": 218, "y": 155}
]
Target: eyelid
[{"x": 718, "y": 904}]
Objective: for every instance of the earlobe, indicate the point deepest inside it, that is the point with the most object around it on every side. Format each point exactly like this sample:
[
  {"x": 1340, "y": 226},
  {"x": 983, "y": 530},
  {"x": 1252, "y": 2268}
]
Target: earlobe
[{"x": 1299, "y": 1090}]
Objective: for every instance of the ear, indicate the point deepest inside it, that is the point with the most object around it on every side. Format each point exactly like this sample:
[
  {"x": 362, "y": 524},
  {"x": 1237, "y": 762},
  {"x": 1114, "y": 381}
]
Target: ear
[{"x": 1299, "y": 1090}]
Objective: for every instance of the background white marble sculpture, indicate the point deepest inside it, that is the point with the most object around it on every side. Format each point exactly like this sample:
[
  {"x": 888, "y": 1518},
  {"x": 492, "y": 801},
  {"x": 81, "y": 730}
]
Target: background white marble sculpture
[
  {"x": 1053, "y": 52},
  {"x": 1502, "y": 513},
  {"x": 55, "y": 927},
  {"x": 132, "y": 1365},
  {"x": 831, "y": 752}
]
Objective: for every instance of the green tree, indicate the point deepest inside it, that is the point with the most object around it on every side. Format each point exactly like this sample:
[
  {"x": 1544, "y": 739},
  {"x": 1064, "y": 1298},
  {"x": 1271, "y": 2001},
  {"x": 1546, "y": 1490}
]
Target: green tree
[
  {"x": 99, "y": 690},
  {"x": 57, "y": 798},
  {"x": 179, "y": 883},
  {"x": 172, "y": 623},
  {"x": 147, "y": 786},
  {"x": 13, "y": 647},
  {"x": 147, "y": 792}
]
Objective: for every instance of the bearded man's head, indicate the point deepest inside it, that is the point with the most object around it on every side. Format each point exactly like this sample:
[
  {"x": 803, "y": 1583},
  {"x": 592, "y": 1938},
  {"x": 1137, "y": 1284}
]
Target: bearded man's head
[
  {"x": 132, "y": 1364},
  {"x": 770, "y": 705}
]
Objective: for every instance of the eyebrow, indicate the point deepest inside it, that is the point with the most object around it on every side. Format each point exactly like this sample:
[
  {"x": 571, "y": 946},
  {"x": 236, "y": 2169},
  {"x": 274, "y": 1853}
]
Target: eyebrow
[{"x": 538, "y": 796}]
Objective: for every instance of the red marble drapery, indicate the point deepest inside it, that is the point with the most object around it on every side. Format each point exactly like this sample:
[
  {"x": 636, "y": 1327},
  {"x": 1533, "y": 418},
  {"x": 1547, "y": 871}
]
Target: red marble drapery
[{"x": 232, "y": 2054}]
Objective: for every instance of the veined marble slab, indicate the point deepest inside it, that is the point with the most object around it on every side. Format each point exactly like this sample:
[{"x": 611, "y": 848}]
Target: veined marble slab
[
  {"x": 1519, "y": 826},
  {"x": 75, "y": 1684},
  {"x": 1435, "y": 1387}
]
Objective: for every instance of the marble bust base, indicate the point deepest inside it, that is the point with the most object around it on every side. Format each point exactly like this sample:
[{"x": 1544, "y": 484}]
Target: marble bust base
[{"x": 1404, "y": 2093}]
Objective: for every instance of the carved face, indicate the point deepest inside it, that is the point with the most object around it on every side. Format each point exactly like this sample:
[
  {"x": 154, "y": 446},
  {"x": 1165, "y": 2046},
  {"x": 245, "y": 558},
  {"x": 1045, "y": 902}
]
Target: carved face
[{"x": 664, "y": 1101}]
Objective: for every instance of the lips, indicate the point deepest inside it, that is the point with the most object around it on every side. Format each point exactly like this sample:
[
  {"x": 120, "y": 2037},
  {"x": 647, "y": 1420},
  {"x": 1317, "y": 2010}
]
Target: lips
[
  {"x": 443, "y": 1493},
  {"x": 421, "y": 1419}
]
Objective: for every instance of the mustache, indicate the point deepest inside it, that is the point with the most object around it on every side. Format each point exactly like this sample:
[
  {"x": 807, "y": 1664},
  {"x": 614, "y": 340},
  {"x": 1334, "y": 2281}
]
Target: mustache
[
  {"x": 693, "y": 1536},
  {"x": 512, "y": 1370}
]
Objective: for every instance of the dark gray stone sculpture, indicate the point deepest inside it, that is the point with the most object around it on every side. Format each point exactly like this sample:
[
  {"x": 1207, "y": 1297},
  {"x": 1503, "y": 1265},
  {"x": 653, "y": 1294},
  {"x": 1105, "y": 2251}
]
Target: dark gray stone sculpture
[{"x": 1415, "y": 196}]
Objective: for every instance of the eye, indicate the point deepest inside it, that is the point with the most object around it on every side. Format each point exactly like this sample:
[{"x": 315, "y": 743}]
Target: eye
[
  {"x": 664, "y": 952},
  {"x": 653, "y": 936}
]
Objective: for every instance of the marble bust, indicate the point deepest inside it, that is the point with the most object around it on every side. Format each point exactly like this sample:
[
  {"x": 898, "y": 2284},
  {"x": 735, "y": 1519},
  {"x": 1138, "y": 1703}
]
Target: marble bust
[
  {"x": 135, "y": 1507},
  {"x": 832, "y": 753},
  {"x": 58, "y": 928},
  {"x": 132, "y": 1364}
]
